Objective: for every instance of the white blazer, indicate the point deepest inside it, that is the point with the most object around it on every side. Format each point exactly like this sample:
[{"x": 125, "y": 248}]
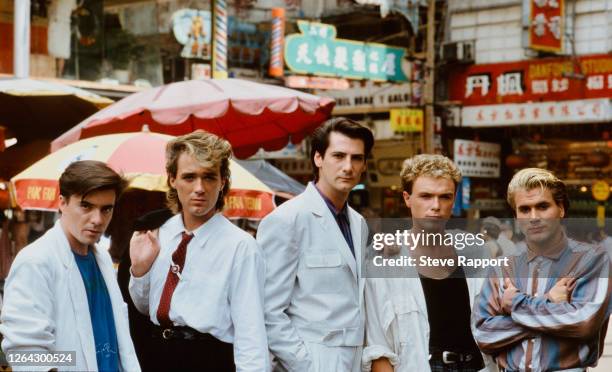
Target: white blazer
[
  {"x": 46, "y": 308},
  {"x": 397, "y": 323},
  {"x": 313, "y": 289}
]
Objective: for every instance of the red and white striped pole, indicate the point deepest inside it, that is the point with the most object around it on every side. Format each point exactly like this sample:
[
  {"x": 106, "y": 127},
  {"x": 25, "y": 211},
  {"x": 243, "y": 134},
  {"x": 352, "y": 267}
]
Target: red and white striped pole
[
  {"x": 220, "y": 40},
  {"x": 278, "y": 42}
]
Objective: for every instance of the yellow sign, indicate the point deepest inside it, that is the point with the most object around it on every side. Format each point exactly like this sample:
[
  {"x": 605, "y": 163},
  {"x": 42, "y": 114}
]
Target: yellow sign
[
  {"x": 600, "y": 190},
  {"x": 407, "y": 120}
]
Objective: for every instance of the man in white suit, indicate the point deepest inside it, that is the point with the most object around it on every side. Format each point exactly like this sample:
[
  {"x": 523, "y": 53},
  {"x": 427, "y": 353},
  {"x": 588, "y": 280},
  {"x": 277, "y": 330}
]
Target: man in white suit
[
  {"x": 61, "y": 294},
  {"x": 313, "y": 246}
]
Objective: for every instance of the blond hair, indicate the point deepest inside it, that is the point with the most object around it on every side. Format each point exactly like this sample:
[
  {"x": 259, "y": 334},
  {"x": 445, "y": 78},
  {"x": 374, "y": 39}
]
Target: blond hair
[
  {"x": 209, "y": 150},
  {"x": 531, "y": 178},
  {"x": 428, "y": 165}
]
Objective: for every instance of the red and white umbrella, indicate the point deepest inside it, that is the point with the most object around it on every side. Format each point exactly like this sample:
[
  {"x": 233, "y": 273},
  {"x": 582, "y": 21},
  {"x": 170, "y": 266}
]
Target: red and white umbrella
[
  {"x": 249, "y": 115},
  {"x": 140, "y": 157}
]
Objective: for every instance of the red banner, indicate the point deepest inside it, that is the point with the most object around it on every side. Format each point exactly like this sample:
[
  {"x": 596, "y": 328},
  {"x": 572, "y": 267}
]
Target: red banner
[
  {"x": 550, "y": 79},
  {"x": 248, "y": 204},
  {"x": 37, "y": 194},
  {"x": 546, "y": 25}
]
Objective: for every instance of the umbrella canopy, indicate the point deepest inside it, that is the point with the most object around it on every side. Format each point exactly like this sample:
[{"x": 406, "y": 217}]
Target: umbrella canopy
[
  {"x": 33, "y": 109},
  {"x": 273, "y": 177},
  {"x": 140, "y": 157},
  {"x": 249, "y": 115}
]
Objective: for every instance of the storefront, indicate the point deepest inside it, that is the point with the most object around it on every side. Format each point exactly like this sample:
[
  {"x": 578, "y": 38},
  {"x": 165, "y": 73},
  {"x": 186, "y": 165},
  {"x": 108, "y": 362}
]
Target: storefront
[{"x": 550, "y": 113}]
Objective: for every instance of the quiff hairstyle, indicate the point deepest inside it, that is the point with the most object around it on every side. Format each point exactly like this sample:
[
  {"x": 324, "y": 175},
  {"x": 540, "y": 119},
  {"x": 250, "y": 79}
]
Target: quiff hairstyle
[
  {"x": 530, "y": 178},
  {"x": 437, "y": 166},
  {"x": 86, "y": 176},
  {"x": 319, "y": 140},
  {"x": 209, "y": 150}
]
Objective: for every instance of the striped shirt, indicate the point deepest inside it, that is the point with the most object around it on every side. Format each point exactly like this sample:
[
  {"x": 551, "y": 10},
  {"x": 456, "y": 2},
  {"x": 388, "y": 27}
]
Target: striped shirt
[{"x": 540, "y": 335}]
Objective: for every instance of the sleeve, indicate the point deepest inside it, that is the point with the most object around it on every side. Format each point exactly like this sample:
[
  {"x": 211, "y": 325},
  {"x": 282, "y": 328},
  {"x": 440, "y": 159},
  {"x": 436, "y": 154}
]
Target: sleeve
[
  {"x": 379, "y": 332},
  {"x": 247, "y": 292},
  {"x": 492, "y": 329},
  {"x": 139, "y": 291},
  {"x": 281, "y": 253},
  {"x": 27, "y": 322},
  {"x": 583, "y": 316}
]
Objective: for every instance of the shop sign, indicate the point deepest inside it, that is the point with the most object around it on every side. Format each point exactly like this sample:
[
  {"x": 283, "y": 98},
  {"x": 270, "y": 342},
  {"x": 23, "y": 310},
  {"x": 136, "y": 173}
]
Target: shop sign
[
  {"x": 405, "y": 120},
  {"x": 477, "y": 159},
  {"x": 373, "y": 96},
  {"x": 546, "y": 24},
  {"x": 600, "y": 190},
  {"x": 200, "y": 71},
  {"x": 191, "y": 28},
  {"x": 316, "y": 82},
  {"x": 563, "y": 112},
  {"x": 315, "y": 50},
  {"x": 553, "y": 79}
]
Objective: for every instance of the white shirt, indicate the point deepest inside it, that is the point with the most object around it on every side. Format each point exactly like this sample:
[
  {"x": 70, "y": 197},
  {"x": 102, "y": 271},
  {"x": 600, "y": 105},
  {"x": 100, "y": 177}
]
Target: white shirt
[{"x": 220, "y": 291}]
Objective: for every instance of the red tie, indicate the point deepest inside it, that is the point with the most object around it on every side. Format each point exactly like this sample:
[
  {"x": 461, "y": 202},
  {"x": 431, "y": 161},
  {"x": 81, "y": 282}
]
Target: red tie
[{"x": 178, "y": 261}]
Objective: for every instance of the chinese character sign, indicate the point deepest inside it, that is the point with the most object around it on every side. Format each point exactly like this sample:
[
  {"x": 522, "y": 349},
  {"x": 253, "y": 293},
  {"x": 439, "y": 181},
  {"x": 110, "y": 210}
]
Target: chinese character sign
[
  {"x": 477, "y": 159},
  {"x": 546, "y": 24},
  {"x": 406, "y": 120},
  {"x": 317, "y": 51}
]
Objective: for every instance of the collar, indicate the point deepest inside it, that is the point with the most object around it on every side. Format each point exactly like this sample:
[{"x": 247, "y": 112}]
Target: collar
[
  {"x": 331, "y": 206},
  {"x": 176, "y": 227},
  {"x": 553, "y": 252}
]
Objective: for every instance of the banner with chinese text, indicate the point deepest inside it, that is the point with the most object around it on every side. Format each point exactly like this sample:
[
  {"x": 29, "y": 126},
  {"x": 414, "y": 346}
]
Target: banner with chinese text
[
  {"x": 550, "y": 79},
  {"x": 546, "y": 24},
  {"x": 477, "y": 159},
  {"x": 317, "y": 51}
]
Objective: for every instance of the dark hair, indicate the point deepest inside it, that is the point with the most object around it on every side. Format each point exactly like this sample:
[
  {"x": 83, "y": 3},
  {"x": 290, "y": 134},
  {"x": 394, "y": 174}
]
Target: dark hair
[
  {"x": 86, "y": 176},
  {"x": 319, "y": 140}
]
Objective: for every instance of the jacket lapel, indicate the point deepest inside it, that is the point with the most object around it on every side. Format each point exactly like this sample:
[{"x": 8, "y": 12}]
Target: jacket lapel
[
  {"x": 78, "y": 298},
  {"x": 328, "y": 223}
]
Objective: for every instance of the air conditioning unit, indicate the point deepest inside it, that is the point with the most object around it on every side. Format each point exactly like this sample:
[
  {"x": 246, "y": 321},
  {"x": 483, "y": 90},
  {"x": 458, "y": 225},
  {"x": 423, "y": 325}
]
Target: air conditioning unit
[{"x": 459, "y": 51}]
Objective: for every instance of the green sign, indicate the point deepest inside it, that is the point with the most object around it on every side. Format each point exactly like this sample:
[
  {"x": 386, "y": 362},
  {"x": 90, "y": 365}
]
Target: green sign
[{"x": 317, "y": 51}]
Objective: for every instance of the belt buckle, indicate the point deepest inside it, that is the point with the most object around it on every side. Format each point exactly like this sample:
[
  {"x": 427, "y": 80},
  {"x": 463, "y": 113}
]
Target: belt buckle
[
  {"x": 167, "y": 333},
  {"x": 446, "y": 354}
]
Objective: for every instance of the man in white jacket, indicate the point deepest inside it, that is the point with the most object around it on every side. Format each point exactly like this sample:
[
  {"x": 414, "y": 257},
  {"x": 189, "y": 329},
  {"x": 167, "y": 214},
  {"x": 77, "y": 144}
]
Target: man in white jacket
[
  {"x": 421, "y": 320},
  {"x": 313, "y": 246},
  {"x": 62, "y": 305}
]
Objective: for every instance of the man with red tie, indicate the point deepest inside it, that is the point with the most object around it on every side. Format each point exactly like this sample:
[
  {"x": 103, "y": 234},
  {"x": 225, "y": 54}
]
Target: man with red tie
[{"x": 199, "y": 277}]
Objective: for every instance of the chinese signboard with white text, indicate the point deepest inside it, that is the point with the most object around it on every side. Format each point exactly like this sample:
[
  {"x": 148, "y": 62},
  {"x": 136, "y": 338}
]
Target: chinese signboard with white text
[
  {"x": 317, "y": 51},
  {"x": 536, "y": 80},
  {"x": 546, "y": 24},
  {"x": 477, "y": 159}
]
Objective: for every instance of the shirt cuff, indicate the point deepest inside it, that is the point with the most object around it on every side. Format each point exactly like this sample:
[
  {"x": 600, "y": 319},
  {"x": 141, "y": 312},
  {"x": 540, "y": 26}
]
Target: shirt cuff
[{"x": 373, "y": 352}]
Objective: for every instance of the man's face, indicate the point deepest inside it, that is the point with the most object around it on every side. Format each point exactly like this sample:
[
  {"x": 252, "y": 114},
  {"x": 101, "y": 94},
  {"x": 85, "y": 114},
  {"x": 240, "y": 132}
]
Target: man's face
[
  {"x": 341, "y": 166},
  {"x": 538, "y": 215},
  {"x": 85, "y": 219},
  {"x": 198, "y": 187},
  {"x": 431, "y": 201}
]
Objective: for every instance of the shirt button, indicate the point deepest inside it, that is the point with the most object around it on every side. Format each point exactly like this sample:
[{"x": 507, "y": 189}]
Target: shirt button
[{"x": 530, "y": 366}]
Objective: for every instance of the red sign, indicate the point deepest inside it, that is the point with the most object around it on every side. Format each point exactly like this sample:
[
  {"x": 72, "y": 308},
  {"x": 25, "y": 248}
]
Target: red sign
[
  {"x": 550, "y": 79},
  {"x": 546, "y": 25}
]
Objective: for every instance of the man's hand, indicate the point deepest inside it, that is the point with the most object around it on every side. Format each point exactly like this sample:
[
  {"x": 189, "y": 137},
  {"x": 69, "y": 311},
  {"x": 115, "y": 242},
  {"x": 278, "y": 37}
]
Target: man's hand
[
  {"x": 144, "y": 248},
  {"x": 562, "y": 290},
  {"x": 509, "y": 292}
]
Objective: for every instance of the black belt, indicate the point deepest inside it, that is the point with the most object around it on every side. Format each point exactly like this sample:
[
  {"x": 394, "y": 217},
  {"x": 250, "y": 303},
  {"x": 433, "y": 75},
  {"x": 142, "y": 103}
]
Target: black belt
[
  {"x": 181, "y": 333},
  {"x": 452, "y": 357}
]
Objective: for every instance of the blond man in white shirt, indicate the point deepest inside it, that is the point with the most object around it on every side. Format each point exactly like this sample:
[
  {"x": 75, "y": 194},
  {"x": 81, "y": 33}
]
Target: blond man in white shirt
[{"x": 205, "y": 296}]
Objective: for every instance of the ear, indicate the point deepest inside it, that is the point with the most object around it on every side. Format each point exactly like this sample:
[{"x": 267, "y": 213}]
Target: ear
[
  {"x": 562, "y": 211},
  {"x": 407, "y": 199},
  {"x": 63, "y": 203},
  {"x": 172, "y": 181},
  {"x": 318, "y": 159}
]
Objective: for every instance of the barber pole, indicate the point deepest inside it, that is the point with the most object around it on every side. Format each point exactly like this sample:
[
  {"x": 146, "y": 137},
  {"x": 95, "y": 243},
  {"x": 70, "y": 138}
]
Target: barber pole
[
  {"x": 220, "y": 40},
  {"x": 278, "y": 41}
]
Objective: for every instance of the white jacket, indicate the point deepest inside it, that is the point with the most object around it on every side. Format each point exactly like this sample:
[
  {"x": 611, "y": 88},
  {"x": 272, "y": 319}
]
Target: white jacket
[
  {"x": 397, "y": 325},
  {"x": 313, "y": 289},
  {"x": 46, "y": 308}
]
